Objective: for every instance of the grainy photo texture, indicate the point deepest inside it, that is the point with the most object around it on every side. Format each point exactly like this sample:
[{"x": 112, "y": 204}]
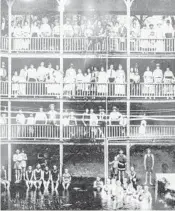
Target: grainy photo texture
[{"x": 87, "y": 104}]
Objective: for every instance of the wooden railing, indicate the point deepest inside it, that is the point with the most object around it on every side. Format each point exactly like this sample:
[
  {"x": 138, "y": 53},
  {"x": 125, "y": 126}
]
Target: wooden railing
[
  {"x": 88, "y": 44},
  {"x": 114, "y": 132}
]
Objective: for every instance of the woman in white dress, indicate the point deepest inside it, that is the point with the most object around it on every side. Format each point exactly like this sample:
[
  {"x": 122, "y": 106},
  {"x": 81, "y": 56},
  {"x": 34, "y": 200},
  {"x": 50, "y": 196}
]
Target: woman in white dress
[
  {"x": 58, "y": 76},
  {"x": 168, "y": 80},
  {"x": 23, "y": 80},
  {"x": 15, "y": 84},
  {"x": 148, "y": 89},
  {"x": 144, "y": 38},
  {"x": 142, "y": 128},
  {"x": 17, "y": 35},
  {"x": 102, "y": 82},
  {"x": 87, "y": 81},
  {"x": 120, "y": 81},
  {"x": 79, "y": 83},
  {"x": 26, "y": 34}
]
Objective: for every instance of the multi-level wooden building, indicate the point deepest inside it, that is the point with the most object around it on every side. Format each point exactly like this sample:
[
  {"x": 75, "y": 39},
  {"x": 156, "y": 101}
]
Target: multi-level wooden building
[{"x": 73, "y": 50}]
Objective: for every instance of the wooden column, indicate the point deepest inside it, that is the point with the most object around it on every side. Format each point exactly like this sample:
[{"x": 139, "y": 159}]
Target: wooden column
[
  {"x": 61, "y": 8},
  {"x": 128, "y": 146},
  {"x": 9, "y": 157}
]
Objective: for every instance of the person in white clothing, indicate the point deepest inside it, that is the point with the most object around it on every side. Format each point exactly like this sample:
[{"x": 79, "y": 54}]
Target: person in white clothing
[
  {"x": 93, "y": 123},
  {"x": 111, "y": 75},
  {"x": 142, "y": 128},
  {"x": 20, "y": 120},
  {"x": 22, "y": 80},
  {"x": 120, "y": 81},
  {"x": 41, "y": 77},
  {"x": 102, "y": 82},
  {"x": 148, "y": 88},
  {"x": 15, "y": 84},
  {"x": 79, "y": 82},
  {"x": 58, "y": 77},
  {"x": 160, "y": 36},
  {"x": 52, "y": 115},
  {"x": 168, "y": 81},
  {"x": 30, "y": 123},
  {"x": 70, "y": 79},
  {"x": 31, "y": 78},
  {"x": 158, "y": 77},
  {"x": 45, "y": 29},
  {"x": 17, "y": 167},
  {"x": 114, "y": 116},
  {"x": 41, "y": 117},
  {"x": 23, "y": 163},
  {"x": 26, "y": 34}
]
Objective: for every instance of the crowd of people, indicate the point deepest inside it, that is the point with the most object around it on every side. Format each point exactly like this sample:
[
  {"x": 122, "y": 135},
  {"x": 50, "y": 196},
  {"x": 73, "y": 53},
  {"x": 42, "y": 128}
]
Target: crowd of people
[
  {"x": 95, "y": 28},
  {"x": 93, "y": 82},
  {"x": 121, "y": 188},
  {"x": 87, "y": 124}
]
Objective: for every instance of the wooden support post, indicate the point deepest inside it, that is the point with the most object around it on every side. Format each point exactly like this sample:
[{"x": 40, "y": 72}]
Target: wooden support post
[
  {"x": 61, "y": 8},
  {"x": 128, "y": 146},
  {"x": 9, "y": 157},
  {"x": 61, "y": 160},
  {"x": 106, "y": 159}
]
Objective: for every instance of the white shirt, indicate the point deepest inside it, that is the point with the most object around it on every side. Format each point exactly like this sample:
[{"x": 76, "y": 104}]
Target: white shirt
[
  {"x": 20, "y": 119},
  {"x": 114, "y": 116},
  {"x": 71, "y": 73},
  {"x": 157, "y": 73},
  {"x": 30, "y": 121},
  {"x": 41, "y": 73},
  {"x": 148, "y": 77},
  {"x": 52, "y": 115},
  {"x": 31, "y": 73},
  {"x": 111, "y": 73},
  {"x": 45, "y": 30},
  {"x": 93, "y": 120},
  {"x": 40, "y": 116}
]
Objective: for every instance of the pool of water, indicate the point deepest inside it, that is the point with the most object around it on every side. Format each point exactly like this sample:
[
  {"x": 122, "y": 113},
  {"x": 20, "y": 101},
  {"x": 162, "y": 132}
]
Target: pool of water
[{"x": 77, "y": 198}]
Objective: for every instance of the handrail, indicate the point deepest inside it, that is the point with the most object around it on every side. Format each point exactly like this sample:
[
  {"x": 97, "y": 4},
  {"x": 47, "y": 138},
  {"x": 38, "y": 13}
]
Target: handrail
[{"x": 89, "y": 44}]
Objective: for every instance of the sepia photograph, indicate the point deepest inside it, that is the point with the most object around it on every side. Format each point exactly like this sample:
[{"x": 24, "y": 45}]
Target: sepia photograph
[{"x": 87, "y": 105}]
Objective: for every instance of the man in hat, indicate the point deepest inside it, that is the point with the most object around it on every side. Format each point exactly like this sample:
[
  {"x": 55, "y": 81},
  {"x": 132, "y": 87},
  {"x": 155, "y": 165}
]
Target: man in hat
[
  {"x": 121, "y": 158},
  {"x": 158, "y": 77}
]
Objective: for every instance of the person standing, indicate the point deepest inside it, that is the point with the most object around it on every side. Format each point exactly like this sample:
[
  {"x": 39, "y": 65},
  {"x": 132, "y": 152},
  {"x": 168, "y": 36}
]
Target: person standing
[
  {"x": 85, "y": 121},
  {"x": 30, "y": 122},
  {"x": 93, "y": 123},
  {"x": 158, "y": 77},
  {"x": 17, "y": 158},
  {"x": 114, "y": 164},
  {"x": 102, "y": 82},
  {"x": 121, "y": 165},
  {"x": 111, "y": 75},
  {"x": 149, "y": 166},
  {"x": 148, "y": 88},
  {"x": 168, "y": 80},
  {"x": 120, "y": 81},
  {"x": 31, "y": 78},
  {"x": 52, "y": 120},
  {"x": 40, "y": 121},
  {"x": 23, "y": 163},
  {"x": 20, "y": 120}
]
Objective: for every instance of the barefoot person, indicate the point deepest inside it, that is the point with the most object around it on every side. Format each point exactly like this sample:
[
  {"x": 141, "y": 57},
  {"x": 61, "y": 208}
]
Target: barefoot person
[
  {"x": 3, "y": 178},
  {"x": 17, "y": 165},
  {"x": 46, "y": 178},
  {"x": 114, "y": 164},
  {"x": 121, "y": 165},
  {"x": 98, "y": 184},
  {"x": 23, "y": 163},
  {"x": 55, "y": 178},
  {"x": 66, "y": 179},
  {"x": 29, "y": 178},
  {"x": 38, "y": 176},
  {"x": 149, "y": 165}
]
